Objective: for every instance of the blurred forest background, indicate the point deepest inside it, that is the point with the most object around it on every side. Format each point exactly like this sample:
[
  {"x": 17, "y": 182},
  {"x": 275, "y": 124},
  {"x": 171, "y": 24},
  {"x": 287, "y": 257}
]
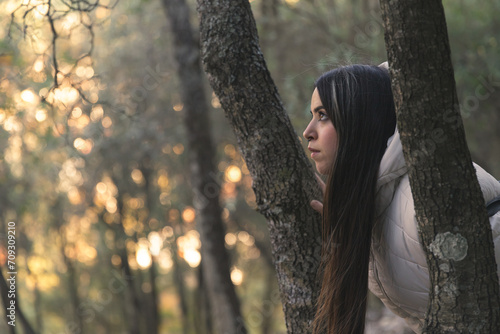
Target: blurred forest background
[{"x": 95, "y": 172}]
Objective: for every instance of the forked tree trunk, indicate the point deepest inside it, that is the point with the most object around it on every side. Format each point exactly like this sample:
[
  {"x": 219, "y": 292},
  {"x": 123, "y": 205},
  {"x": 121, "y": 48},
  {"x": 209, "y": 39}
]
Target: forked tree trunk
[
  {"x": 451, "y": 215},
  {"x": 224, "y": 303},
  {"x": 283, "y": 179}
]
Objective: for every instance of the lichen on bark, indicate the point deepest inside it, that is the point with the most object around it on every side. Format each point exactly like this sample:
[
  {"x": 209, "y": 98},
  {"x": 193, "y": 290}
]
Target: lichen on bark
[{"x": 449, "y": 246}]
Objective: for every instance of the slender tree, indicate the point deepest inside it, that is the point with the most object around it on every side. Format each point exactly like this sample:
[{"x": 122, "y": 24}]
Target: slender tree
[
  {"x": 151, "y": 298},
  {"x": 72, "y": 273},
  {"x": 224, "y": 303},
  {"x": 283, "y": 179},
  {"x": 179, "y": 282},
  {"x": 134, "y": 314},
  {"x": 452, "y": 220},
  {"x": 4, "y": 290},
  {"x": 20, "y": 316}
]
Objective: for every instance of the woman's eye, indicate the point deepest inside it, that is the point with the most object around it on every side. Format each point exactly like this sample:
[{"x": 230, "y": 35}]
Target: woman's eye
[{"x": 322, "y": 116}]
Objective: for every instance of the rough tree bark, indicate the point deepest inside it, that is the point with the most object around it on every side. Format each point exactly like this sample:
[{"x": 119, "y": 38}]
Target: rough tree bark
[
  {"x": 283, "y": 179},
  {"x": 224, "y": 303},
  {"x": 454, "y": 228}
]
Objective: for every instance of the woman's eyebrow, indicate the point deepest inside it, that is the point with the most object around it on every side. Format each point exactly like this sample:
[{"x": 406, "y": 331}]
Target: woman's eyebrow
[{"x": 318, "y": 108}]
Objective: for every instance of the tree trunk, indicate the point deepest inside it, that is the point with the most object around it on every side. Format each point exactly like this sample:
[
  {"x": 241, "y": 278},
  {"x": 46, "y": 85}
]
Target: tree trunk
[
  {"x": 453, "y": 225},
  {"x": 224, "y": 303},
  {"x": 4, "y": 290},
  {"x": 150, "y": 299},
  {"x": 283, "y": 178},
  {"x": 38, "y": 307},
  {"x": 205, "y": 323},
  {"x": 179, "y": 282},
  {"x": 20, "y": 317},
  {"x": 72, "y": 286},
  {"x": 134, "y": 317},
  {"x": 153, "y": 298}
]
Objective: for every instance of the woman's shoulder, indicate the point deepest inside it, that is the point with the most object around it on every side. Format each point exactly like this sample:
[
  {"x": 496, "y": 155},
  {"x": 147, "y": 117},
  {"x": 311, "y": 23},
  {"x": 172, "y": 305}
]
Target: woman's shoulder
[{"x": 489, "y": 184}]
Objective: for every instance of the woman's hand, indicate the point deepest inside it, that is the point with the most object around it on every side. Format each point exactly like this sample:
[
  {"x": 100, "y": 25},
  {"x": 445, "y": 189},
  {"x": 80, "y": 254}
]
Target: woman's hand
[{"x": 315, "y": 204}]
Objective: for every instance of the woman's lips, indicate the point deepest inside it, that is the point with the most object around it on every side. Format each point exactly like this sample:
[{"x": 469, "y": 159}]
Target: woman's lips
[{"x": 314, "y": 152}]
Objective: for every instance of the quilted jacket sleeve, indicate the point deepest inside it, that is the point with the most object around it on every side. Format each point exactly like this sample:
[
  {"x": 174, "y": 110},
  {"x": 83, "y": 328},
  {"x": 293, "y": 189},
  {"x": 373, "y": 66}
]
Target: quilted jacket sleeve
[{"x": 398, "y": 268}]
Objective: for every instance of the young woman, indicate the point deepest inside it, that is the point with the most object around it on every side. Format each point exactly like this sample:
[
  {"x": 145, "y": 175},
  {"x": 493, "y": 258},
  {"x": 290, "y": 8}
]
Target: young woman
[{"x": 370, "y": 237}]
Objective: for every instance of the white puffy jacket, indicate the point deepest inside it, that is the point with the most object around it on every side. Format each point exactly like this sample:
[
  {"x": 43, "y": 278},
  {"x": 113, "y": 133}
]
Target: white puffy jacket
[{"x": 398, "y": 272}]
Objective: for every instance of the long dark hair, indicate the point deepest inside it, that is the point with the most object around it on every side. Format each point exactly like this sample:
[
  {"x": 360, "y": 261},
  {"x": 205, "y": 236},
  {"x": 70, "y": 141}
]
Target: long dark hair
[{"x": 358, "y": 100}]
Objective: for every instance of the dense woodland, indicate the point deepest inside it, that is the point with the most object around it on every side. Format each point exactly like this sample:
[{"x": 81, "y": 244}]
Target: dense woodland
[{"x": 94, "y": 166}]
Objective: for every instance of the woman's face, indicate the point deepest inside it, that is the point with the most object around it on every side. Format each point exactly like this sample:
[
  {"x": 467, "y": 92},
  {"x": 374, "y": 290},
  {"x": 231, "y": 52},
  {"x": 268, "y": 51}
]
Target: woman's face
[{"x": 321, "y": 135}]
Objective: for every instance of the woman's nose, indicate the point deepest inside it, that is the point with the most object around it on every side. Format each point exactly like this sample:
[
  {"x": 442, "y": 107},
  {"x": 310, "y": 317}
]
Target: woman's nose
[{"x": 309, "y": 132}]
